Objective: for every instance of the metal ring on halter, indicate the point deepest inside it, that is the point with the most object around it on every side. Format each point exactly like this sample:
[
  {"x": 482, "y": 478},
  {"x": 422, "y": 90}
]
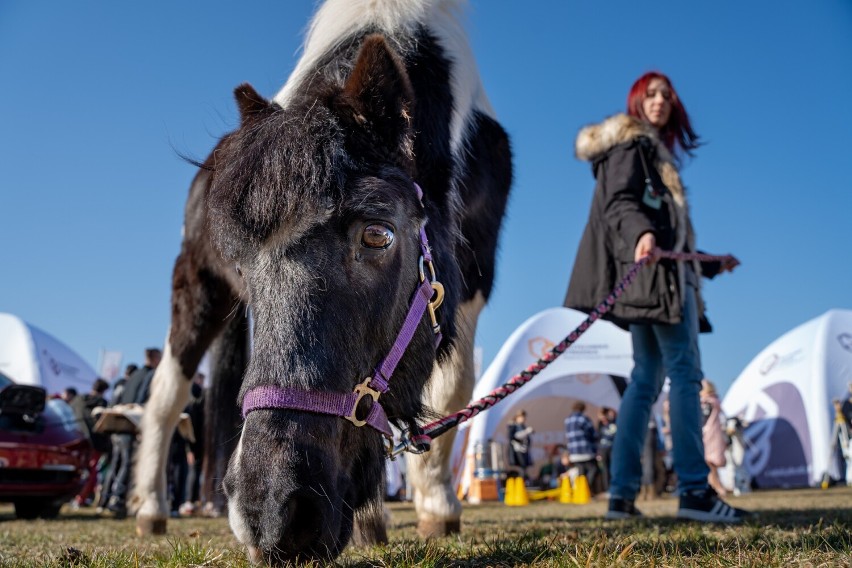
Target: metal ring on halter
[
  {"x": 438, "y": 289},
  {"x": 362, "y": 389},
  {"x": 417, "y": 444}
]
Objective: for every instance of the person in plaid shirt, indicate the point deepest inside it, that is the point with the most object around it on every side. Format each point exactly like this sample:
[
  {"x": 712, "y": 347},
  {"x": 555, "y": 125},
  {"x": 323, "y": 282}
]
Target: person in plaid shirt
[{"x": 582, "y": 442}]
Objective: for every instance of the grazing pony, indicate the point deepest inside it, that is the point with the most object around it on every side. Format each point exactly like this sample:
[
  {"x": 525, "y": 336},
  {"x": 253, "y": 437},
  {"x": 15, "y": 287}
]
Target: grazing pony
[{"x": 309, "y": 213}]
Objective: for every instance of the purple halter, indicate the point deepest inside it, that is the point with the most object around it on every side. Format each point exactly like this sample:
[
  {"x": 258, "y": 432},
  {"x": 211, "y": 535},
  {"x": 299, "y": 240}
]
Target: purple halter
[{"x": 345, "y": 405}]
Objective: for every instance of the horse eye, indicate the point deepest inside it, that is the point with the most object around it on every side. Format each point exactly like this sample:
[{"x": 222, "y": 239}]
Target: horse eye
[{"x": 377, "y": 236}]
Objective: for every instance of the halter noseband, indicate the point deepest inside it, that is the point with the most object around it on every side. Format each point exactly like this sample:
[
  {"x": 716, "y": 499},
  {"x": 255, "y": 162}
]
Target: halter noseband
[{"x": 427, "y": 297}]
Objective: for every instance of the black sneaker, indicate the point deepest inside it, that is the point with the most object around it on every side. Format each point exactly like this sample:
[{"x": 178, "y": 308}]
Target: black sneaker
[
  {"x": 622, "y": 509},
  {"x": 704, "y": 505}
]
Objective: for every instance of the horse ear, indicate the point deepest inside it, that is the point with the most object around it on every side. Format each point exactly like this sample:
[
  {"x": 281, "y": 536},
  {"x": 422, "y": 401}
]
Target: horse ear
[
  {"x": 378, "y": 92},
  {"x": 249, "y": 102}
]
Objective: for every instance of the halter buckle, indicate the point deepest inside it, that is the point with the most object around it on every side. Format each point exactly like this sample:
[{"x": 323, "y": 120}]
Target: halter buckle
[
  {"x": 362, "y": 389},
  {"x": 438, "y": 293}
]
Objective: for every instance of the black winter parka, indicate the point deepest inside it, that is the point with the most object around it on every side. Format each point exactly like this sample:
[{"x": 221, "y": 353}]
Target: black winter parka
[{"x": 631, "y": 199}]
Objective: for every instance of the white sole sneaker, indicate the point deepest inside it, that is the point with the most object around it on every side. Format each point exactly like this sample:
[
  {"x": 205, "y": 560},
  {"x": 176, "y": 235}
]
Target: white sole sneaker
[
  {"x": 620, "y": 516},
  {"x": 720, "y": 513}
]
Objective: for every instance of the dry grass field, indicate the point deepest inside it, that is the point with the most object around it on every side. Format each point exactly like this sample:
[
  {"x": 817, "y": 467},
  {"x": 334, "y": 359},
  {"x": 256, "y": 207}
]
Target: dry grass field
[{"x": 794, "y": 528}]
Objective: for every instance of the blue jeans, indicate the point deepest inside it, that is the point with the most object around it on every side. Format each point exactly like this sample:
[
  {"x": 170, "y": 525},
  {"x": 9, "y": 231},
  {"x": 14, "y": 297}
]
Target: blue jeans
[{"x": 659, "y": 350}]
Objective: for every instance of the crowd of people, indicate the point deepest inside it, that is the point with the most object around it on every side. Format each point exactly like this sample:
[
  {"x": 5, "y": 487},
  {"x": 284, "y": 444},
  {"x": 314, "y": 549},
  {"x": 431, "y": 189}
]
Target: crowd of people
[
  {"x": 110, "y": 464},
  {"x": 588, "y": 448}
]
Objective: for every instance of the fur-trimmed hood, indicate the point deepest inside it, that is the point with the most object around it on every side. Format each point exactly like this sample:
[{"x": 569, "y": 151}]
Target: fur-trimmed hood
[{"x": 595, "y": 140}]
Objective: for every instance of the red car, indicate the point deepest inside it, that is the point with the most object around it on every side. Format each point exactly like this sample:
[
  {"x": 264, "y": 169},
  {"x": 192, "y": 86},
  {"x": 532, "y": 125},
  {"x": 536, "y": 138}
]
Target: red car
[{"x": 43, "y": 451}]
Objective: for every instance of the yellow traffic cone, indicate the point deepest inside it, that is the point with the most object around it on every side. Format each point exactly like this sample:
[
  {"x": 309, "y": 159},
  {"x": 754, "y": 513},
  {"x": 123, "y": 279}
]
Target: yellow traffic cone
[
  {"x": 510, "y": 499},
  {"x": 565, "y": 493},
  {"x": 523, "y": 498},
  {"x": 582, "y": 494}
]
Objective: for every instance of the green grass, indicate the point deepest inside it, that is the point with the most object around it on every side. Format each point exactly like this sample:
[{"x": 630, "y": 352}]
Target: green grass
[{"x": 794, "y": 528}]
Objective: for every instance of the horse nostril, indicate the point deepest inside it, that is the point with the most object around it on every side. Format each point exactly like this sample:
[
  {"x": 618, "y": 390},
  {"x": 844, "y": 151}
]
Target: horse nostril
[{"x": 306, "y": 521}]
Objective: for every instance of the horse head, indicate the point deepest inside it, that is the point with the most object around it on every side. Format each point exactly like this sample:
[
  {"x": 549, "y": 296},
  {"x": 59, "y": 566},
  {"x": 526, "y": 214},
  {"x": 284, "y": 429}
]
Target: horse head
[{"x": 317, "y": 204}]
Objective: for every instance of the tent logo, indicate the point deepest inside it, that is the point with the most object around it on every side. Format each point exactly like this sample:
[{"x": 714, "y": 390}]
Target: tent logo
[
  {"x": 539, "y": 346},
  {"x": 775, "y": 360},
  {"x": 57, "y": 366},
  {"x": 768, "y": 363},
  {"x": 845, "y": 340},
  {"x": 588, "y": 378}
]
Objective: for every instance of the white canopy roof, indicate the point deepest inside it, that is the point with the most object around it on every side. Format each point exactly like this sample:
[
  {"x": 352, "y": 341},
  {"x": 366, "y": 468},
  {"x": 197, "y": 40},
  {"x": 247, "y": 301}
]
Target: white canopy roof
[
  {"x": 786, "y": 394},
  {"x": 589, "y": 370},
  {"x": 31, "y": 356}
]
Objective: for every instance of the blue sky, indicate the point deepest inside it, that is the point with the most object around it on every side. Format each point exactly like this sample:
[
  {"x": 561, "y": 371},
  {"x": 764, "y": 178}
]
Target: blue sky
[{"x": 98, "y": 98}]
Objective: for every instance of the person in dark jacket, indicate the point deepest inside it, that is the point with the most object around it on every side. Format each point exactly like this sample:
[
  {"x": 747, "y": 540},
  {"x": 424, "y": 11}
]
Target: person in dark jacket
[
  {"x": 639, "y": 205},
  {"x": 83, "y": 407},
  {"x": 118, "y": 386},
  {"x": 606, "y": 436},
  {"x": 138, "y": 386},
  {"x": 136, "y": 390},
  {"x": 519, "y": 435},
  {"x": 195, "y": 453}
]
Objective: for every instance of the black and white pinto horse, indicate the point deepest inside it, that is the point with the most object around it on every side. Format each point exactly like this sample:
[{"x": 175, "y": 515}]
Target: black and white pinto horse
[{"x": 308, "y": 213}]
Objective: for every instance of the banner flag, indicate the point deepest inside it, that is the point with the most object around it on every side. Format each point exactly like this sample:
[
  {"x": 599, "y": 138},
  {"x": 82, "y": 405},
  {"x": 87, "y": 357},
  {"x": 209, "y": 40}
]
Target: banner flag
[{"x": 110, "y": 364}]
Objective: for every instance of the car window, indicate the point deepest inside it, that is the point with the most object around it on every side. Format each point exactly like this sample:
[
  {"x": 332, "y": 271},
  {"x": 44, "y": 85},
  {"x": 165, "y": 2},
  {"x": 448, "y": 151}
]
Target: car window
[
  {"x": 4, "y": 381},
  {"x": 66, "y": 416}
]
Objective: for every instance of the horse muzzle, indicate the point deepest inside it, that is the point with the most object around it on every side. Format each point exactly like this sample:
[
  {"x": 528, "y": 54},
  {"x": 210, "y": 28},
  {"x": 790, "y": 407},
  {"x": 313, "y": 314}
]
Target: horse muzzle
[{"x": 285, "y": 499}]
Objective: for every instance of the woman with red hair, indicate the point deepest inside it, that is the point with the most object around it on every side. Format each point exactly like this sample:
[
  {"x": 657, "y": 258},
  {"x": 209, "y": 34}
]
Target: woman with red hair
[{"x": 639, "y": 205}]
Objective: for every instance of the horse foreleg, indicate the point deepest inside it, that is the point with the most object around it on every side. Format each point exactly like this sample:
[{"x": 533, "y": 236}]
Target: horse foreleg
[
  {"x": 201, "y": 300},
  {"x": 370, "y": 525},
  {"x": 169, "y": 395},
  {"x": 449, "y": 389}
]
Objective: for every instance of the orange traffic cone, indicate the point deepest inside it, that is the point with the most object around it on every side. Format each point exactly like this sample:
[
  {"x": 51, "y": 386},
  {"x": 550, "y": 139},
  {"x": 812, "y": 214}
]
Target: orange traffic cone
[
  {"x": 565, "y": 493},
  {"x": 582, "y": 494}
]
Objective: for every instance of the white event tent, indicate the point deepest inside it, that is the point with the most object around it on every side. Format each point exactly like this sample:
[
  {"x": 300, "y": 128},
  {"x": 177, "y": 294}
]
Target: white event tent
[
  {"x": 30, "y": 356},
  {"x": 785, "y": 395},
  {"x": 594, "y": 369}
]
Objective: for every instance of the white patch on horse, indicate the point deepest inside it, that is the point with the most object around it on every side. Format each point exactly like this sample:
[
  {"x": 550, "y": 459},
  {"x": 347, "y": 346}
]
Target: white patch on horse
[
  {"x": 235, "y": 518},
  {"x": 169, "y": 395},
  {"x": 449, "y": 389},
  {"x": 338, "y": 20}
]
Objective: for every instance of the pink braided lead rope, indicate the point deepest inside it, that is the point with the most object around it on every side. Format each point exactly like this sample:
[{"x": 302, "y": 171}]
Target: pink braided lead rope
[{"x": 419, "y": 442}]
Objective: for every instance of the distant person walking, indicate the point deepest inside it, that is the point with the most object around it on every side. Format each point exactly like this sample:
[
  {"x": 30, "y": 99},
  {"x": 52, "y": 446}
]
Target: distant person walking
[
  {"x": 640, "y": 204},
  {"x": 118, "y": 386},
  {"x": 138, "y": 386},
  {"x": 68, "y": 395},
  {"x": 195, "y": 455},
  {"x": 83, "y": 407},
  {"x": 582, "y": 442},
  {"x": 117, "y": 484},
  {"x": 606, "y": 437},
  {"x": 713, "y": 434},
  {"x": 520, "y": 438}
]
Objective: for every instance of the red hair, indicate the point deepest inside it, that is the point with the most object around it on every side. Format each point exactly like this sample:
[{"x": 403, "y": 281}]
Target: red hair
[{"x": 677, "y": 134}]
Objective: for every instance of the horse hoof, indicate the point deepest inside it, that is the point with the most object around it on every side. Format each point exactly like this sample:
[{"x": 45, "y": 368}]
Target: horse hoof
[
  {"x": 146, "y": 526},
  {"x": 212, "y": 511},
  {"x": 436, "y": 528}
]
